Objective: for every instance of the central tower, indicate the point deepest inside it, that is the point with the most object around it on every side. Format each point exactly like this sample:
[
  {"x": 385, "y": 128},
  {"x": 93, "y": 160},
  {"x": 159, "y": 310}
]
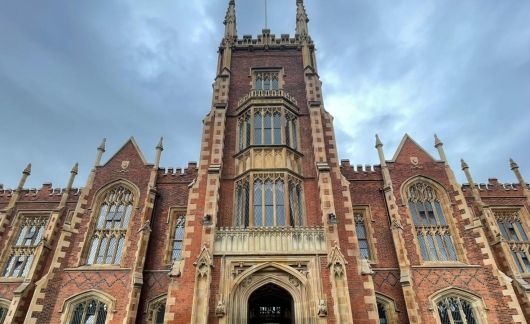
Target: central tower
[{"x": 269, "y": 234}]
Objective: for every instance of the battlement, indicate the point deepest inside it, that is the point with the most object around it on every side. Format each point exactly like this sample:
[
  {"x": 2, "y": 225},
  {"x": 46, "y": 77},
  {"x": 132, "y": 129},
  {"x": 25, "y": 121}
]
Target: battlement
[
  {"x": 46, "y": 189},
  {"x": 359, "y": 168},
  {"x": 493, "y": 185},
  {"x": 190, "y": 170},
  {"x": 268, "y": 40}
]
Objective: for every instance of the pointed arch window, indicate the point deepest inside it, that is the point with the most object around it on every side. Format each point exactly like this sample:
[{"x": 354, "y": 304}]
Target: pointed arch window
[
  {"x": 386, "y": 310},
  {"x": 114, "y": 215},
  {"x": 89, "y": 311},
  {"x": 362, "y": 236},
  {"x": 268, "y": 200},
  {"x": 3, "y": 313},
  {"x": 22, "y": 250},
  {"x": 456, "y": 310},
  {"x": 156, "y": 311},
  {"x": 178, "y": 238},
  {"x": 266, "y": 80},
  {"x": 433, "y": 232},
  {"x": 512, "y": 230}
]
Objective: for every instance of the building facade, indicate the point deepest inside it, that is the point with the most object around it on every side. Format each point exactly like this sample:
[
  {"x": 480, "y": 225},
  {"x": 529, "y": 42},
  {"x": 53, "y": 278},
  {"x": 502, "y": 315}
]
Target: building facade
[{"x": 269, "y": 226}]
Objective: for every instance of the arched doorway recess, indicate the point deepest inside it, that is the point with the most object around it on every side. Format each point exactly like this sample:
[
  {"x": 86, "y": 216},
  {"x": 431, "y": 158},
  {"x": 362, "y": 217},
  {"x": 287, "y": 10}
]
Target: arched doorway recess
[{"x": 271, "y": 304}]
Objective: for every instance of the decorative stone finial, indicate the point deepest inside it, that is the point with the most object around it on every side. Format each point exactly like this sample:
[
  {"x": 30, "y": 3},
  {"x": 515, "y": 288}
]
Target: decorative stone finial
[
  {"x": 230, "y": 22},
  {"x": 160, "y": 145},
  {"x": 27, "y": 170},
  {"x": 75, "y": 169},
  {"x": 378, "y": 142},
  {"x": 513, "y": 165},
  {"x": 464, "y": 164},
  {"x": 301, "y": 20},
  {"x": 102, "y": 145},
  {"x": 437, "y": 141}
]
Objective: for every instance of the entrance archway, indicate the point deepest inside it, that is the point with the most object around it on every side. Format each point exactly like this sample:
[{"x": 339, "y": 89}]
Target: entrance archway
[{"x": 270, "y": 304}]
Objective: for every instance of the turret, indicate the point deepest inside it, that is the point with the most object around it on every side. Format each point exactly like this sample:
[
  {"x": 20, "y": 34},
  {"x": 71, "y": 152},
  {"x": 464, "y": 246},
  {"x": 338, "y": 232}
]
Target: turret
[
  {"x": 440, "y": 147},
  {"x": 101, "y": 150}
]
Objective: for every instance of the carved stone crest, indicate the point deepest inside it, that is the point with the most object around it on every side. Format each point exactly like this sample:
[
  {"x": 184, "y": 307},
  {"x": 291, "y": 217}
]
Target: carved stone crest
[
  {"x": 414, "y": 160},
  {"x": 125, "y": 165}
]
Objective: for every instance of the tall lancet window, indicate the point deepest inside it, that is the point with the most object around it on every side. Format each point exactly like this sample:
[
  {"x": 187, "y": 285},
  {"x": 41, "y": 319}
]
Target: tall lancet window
[
  {"x": 434, "y": 236},
  {"x": 114, "y": 214}
]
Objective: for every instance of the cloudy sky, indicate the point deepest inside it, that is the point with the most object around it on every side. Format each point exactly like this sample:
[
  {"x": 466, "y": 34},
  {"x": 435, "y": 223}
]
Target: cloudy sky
[{"x": 73, "y": 72}]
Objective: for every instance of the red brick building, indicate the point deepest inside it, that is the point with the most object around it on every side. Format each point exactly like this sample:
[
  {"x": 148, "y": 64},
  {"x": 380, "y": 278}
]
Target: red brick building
[{"x": 269, "y": 226}]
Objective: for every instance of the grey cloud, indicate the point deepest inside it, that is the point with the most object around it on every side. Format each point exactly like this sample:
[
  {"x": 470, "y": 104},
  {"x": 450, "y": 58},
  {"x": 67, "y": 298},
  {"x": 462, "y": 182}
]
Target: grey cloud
[{"x": 74, "y": 72}]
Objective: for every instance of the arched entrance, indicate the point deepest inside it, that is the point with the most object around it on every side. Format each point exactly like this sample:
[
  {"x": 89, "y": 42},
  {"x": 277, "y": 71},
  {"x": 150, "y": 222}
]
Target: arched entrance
[{"x": 270, "y": 304}]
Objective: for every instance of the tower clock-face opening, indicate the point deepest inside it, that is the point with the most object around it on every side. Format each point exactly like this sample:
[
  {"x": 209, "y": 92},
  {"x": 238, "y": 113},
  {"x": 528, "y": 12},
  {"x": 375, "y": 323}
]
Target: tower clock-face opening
[{"x": 270, "y": 304}]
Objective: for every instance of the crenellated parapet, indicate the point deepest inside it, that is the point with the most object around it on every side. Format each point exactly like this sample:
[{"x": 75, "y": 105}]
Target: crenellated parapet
[{"x": 269, "y": 41}]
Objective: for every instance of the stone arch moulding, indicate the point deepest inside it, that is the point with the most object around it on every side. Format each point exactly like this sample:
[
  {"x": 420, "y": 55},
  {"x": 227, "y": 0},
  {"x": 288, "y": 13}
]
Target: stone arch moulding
[
  {"x": 442, "y": 190},
  {"x": 280, "y": 275}
]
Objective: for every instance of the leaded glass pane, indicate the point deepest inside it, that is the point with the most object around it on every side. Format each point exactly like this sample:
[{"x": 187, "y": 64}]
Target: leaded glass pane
[
  {"x": 280, "y": 203},
  {"x": 423, "y": 247},
  {"x": 525, "y": 260},
  {"x": 450, "y": 247},
  {"x": 101, "y": 251},
  {"x": 517, "y": 262},
  {"x": 127, "y": 217},
  {"x": 277, "y": 128},
  {"x": 455, "y": 310},
  {"x": 295, "y": 136},
  {"x": 110, "y": 251},
  {"x": 78, "y": 314},
  {"x": 383, "y": 319},
  {"x": 22, "y": 236},
  {"x": 10, "y": 263},
  {"x": 246, "y": 207},
  {"x": 239, "y": 205},
  {"x": 3, "y": 314},
  {"x": 241, "y": 132},
  {"x": 89, "y": 311},
  {"x": 268, "y": 129},
  {"x": 441, "y": 248},
  {"x": 27, "y": 265},
  {"x": 269, "y": 204},
  {"x": 504, "y": 233},
  {"x": 119, "y": 250},
  {"x": 287, "y": 132},
  {"x": 432, "y": 249},
  {"x": 522, "y": 232},
  {"x": 258, "y": 203},
  {"x": 275, "y": 85},
  {"x": 93, "y": 249},
  {"x": 257, "y": 129},
  {"x": 413, "y": 211},
  {"x": 299, "y": 207},
  {"x": 439, "y": 213}
]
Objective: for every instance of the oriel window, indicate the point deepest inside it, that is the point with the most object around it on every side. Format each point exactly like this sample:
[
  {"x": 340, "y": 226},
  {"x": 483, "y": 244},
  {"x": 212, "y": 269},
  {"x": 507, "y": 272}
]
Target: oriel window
[{"x": 512, "y": 230}]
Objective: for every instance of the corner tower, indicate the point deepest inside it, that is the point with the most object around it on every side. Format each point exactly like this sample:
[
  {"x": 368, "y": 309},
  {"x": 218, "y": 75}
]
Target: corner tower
[{"x": 268, "y": 235}]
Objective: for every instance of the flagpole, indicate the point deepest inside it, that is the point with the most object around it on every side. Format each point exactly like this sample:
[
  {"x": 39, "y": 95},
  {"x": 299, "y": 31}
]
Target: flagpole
[{"x": 266, "y": 15}]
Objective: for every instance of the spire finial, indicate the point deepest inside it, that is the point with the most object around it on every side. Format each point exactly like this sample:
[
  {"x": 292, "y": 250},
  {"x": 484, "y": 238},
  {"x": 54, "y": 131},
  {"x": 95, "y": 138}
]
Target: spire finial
[
  {"x": 230, "y": 22},
  {"x": 378, "y": 142},
  {"x": 437, "y": 141},
  {"x": 27, "y": 170},
  {"x": 301, "y": 20},
  {"x": 101, "y": 150},
  {"x": 75, "y": 169},
  {"x": 160, "y": 145},
  {"x": 464, "y": 164},
  {"x": 25, "y": 175},
  {"x": 101, "y": 146},
  {"x": 513, "y": 164}
]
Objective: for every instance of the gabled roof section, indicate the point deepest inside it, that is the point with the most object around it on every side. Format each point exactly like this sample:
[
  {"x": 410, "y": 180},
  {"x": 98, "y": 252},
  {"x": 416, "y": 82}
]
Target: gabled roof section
[
  {"x": 130, "y": 142},
  {"x": 411, "y": 145}
]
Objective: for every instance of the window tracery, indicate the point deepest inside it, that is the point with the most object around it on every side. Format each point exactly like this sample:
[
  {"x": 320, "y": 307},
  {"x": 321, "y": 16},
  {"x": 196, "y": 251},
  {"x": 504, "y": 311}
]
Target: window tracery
[
  {"x": 106, "y": 246},
  {"x": 156, "y": 311},
  {"x": 3, "y": 313},
  {"x": 386, "y": 310},
  {"x": 178, "y": 238},
  {"x": 271, "y": 199},
  {"x": 433, "y": 232},
  {"x": 455, "y": 310},
  {"x": 89, "y": 311},
  {"x": 23, "y": 249},
  {"x": 267, "y": 126},
  {"x": 267, "y": 80},
  {"x": 512, "y": 230}
]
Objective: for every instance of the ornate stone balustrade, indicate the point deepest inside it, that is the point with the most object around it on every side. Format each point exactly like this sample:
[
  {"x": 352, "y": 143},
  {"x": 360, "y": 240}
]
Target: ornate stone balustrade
[
  {"x": 270, "y": 240},
  {"x": 267, "y": 93}
]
